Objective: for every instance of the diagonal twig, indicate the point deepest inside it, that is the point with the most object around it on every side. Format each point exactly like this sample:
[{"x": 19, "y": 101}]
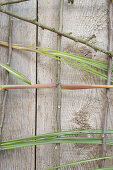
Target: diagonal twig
[
  {"x": 107, "y": 111},
  {"x": 12, "y": 2},
  {"x": 57, "y": 32}
]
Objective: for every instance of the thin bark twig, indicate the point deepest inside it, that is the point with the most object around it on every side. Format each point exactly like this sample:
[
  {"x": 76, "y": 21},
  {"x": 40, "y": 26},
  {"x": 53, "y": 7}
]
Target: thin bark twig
[
  {"x": 85, "y": 42},
  {"x": 7, "y": 77},
  {"x": 59, "y": 90},
  {"x": 91, "y": 37},
  {"x": 12, "y": 2},
  {"x": 107, "y": 111}
]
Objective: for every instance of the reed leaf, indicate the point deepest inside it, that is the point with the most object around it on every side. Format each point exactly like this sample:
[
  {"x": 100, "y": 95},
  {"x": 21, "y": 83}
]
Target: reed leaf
[
  {"x": 58, "y": 137},
  {"x": 80, "y": 162},
  {"x": 15, "y": 73},
  {"x": 90, "y": 65},
  {"x": 105, "y": 168},
  {"x": 79, "y": 65},
  {"x": 96, "y": 63},
  {"x": 76, "y": 136}
]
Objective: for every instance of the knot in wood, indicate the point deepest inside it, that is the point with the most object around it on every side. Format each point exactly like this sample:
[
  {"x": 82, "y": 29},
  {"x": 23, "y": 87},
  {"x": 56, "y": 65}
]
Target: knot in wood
[{"x": 71, "y": 1}]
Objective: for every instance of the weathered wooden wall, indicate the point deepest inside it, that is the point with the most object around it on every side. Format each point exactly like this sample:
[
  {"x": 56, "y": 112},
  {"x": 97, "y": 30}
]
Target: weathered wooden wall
[
  {"x": 29, "y": 112},
  {"x": 20, "y": 106},
  {"x": 83, "y": 109}
]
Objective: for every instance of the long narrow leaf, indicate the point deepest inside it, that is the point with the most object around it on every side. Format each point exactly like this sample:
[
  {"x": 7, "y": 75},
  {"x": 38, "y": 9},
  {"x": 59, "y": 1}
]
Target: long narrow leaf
[
  {"x": 64, "y": 133},
  {"x": 74, "y": 60},
  {"x": 15, "y": 73},
  {"x": 105, "y": 168},
  {"x": 83, "y": 140},
  {"x": 57, "y": 137},
  {"x": 80, "y": 66},
  {"x": 79, "y": 162}
]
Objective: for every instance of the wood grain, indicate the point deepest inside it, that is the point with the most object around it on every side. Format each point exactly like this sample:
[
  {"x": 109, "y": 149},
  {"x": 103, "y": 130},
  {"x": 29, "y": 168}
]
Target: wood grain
[
  {"x": 83, "y": 109},
  {"x": 20, "y": 106},
  {"x": 46, "y": 73},
  {"x": 3, "y": 51}
]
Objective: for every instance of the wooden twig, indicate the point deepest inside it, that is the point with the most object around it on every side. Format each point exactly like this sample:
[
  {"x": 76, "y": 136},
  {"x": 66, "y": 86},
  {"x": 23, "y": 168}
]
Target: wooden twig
[
  {"x": 63, "y": 86},
  {"x": 85, "y": 42},
  {"x": 12, "y": 2},
  {"x": 107, "y": 111},
  {"x": 91, "y": 37},
  {"x": 59, "y": 92},
  {"x": 59, "y": 68},
  {"x": 7, "y": 77}
]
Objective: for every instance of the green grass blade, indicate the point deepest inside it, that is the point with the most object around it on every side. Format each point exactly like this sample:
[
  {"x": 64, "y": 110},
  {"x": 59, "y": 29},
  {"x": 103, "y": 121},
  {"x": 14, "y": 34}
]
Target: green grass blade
[
  {"x": 96, "y": 63},
  {"x": 57, "y": 137},
  {"x": 74, "y": 60},
  {"x": 79, "y": 162},
  {"x": 15, "y": 73},
  {"x": 80, "y": 66},
  {"x": 59, "y": 134},
  {"x": 57, "y": 140},
  {"x": 105, "y": 168}
]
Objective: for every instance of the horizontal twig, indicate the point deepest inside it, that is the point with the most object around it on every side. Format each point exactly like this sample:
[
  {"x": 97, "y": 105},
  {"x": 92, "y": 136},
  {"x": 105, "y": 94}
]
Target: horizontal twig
[
  {"x": 63, "y": 86},
  {"x": 79, "y": 86},
  {"x": 12, "y": 2},
  {"x": 57, "y": 32}
]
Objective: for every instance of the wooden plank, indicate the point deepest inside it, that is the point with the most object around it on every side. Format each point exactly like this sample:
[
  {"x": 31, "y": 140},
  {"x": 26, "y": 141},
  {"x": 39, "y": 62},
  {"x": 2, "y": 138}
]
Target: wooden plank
[
  {"x": 20, "y": 106},
  {"x": 83, "y": 109},
  {"x": 3, "y": 51},
  {"x": 46, "y": 73},
  {"x": 110, "y": 117}
]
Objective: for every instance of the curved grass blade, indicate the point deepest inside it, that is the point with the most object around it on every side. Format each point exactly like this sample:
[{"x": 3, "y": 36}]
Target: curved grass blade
[
  {"x": 63, "y": 133},
  {"x": 79, "y": 162},
  {"x": 74, "y": 60},
  {"x": 105, "y": 168},
  {"x": 51, "y": 140},
  {"x": 79, "y": 65},
  {"x": 57, "y": 137},
  {"x": 15, "y": 73},
  {"x": 95, "y": 63},
  {"x": 103, "y": 65}
]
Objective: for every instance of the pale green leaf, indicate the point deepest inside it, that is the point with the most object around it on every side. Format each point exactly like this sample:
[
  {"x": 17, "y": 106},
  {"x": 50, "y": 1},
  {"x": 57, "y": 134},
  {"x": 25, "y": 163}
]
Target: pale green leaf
[
  {"x": 79, "y": 162},
  {"x": 15, "y": 73}
]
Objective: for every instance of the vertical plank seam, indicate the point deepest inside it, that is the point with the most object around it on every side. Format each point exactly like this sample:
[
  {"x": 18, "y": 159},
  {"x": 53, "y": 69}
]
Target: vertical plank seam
[
  {"x": 7, "y": 76},
  {"x": 107, "y": 111},
  {"x": 36, "y": 91},
  {"x": 59, "y": 93}
]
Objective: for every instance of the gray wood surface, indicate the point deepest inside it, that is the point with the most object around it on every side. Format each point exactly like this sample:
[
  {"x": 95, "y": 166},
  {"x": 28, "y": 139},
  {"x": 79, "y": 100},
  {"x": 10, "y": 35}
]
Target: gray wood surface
[
  {"x": 81, "y": 109},
  {"x": 46, "y": 73},
  {"x": 20, "y": 106}
]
